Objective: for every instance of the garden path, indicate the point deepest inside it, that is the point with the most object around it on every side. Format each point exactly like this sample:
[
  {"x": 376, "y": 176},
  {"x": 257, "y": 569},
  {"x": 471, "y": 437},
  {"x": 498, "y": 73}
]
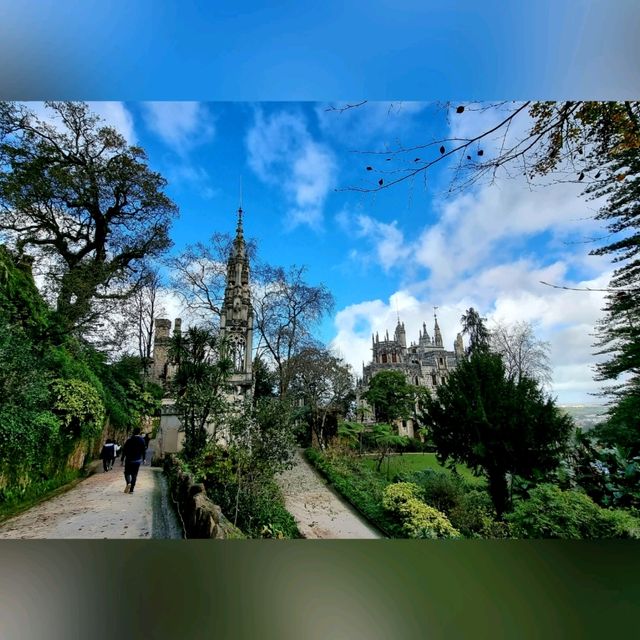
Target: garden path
[
  {"x": 318, "y": 510},
  {"x": 98, "y": 508}
]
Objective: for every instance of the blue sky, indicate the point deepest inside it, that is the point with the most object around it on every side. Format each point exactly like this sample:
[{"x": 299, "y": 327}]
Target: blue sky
[{"x": 401, "y": 250}]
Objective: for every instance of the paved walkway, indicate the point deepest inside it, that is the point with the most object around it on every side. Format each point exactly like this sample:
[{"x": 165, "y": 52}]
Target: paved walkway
[
  {"x": 98, "y": 508},
  {"x": 318, "y": 510}
]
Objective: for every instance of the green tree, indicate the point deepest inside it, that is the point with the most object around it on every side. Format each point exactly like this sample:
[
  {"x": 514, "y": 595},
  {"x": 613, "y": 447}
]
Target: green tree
[
  {"x": 324, "y": 384},
  {"x": 474, "y": 326},
  {"x": 391, "y": 396},
  {"x": 619, "y": 331},
  {"x": 385, "y": 439},
  {"x": 199, "y": 385},
  {"x": 265, "y": 382},
  {"x": 495, "y": 425},
  {"x": 84, "y": 202}
]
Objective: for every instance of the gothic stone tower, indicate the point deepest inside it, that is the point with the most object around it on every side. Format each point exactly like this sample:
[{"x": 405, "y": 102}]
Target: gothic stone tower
[{"x": 236, "y": 315}]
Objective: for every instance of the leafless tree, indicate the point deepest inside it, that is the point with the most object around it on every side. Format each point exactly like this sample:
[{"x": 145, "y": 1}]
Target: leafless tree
[
  {"x": 145, "y": 306},
  {"x": 285, "y": 311},
  {"x": 199, "y": 273},
  {"x": 522, "y": 353},
  {"x": 574, "y": 139}
]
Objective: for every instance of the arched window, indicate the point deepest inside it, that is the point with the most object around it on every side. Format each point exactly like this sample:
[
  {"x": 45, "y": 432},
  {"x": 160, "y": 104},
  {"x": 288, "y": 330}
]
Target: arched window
[
  {"x": 238, "y": 354},
  {"x": 393, "y": 357},
  {"x": 384, "y": 358}
]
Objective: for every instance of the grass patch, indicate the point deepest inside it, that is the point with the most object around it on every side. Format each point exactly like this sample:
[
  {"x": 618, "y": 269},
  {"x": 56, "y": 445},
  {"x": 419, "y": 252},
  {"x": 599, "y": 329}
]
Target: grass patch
[{"x": 410, "y": 463}]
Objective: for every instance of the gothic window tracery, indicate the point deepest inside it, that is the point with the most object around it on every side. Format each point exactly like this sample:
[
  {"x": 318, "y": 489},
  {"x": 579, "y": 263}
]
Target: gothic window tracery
[{"x": 237, "y": 354}]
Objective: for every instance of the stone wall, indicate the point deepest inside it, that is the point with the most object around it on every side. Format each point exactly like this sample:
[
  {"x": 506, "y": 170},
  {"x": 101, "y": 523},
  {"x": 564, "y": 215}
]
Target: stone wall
[{"x": 201, "y": 518}]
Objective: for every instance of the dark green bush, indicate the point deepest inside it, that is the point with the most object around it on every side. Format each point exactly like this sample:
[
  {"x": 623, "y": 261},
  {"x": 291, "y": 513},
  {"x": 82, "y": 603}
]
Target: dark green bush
[
  {"x": 475, "y": 517},
  {"x": 259, "y": 502},
  {"x": 550, "y": 512},
  {"x": 440, "y": 489}
]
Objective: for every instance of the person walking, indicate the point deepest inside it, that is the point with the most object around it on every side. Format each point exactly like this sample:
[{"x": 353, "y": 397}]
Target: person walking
[
  {"x": 116, "y": 449},
  {"x": 107, "y": 453},
  {"x": 134, "y": 454}
]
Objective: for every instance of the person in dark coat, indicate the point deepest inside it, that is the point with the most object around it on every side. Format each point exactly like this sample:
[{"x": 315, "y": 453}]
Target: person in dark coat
[
  {"x": 133, "y": 455},
  {"x": 107, "y": 454},
  {"x": 116, "y": 448}
]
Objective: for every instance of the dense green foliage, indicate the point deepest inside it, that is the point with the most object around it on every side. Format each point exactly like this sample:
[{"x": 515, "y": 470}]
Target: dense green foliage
[
  {"x": 552, "y": 513},
  {"x": 495, "y": 425},
  {"x": 403, "y": 464},
  {"x": 56, "y": 399},
  {"x": 84, "y": 202},
  {"x": 199, "y": 385},
  {"x": 239, "y": 477},
  {"x": 418, "y": 520},
  {"x": 390, "y": 395}
]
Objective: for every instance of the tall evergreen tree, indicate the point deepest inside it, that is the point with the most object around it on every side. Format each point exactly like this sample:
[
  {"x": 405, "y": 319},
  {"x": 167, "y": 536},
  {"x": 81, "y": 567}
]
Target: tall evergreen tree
[
  {"x": 495, "y": 424},
  {"x": 619, "y": 330},
  {"x": 474, "y": 326}
]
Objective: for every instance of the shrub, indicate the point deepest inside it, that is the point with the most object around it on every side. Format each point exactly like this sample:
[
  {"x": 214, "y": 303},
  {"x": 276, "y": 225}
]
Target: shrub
[
  {"x": 441, "y": 489},
  {"x": 475, "y": 517},
  {"x": 552, "y": 513},
  {"x": 395, "y": 495},
  {"x": 418, "y": 520},
  {"x": 79, "y": 407},
  {"x": 260, "y": 505},
  {"x": 617, "y": 523}
]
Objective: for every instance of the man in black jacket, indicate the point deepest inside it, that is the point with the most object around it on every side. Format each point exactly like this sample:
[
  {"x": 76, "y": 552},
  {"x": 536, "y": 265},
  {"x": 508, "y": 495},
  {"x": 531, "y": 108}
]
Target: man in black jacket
[
  {"x": 107, "y": 454},
  {"x": 133, "y": 454}
]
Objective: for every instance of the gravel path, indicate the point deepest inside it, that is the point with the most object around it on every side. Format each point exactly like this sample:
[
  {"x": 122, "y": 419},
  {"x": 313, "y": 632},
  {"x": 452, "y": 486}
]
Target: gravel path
[
  {"x": 98, "y": 508},
  {"x": 318, "y": 510}
]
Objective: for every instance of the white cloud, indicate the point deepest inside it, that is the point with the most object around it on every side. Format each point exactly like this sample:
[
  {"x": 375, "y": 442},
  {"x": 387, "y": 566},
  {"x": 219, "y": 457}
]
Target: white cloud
[
  {"x": 116, "y": 115},
  {"x": 181, "y": 125},
  {"x": 509, "y": 293},
  {"x": 483, "y": 228},
  {"x": 283, "y": 153},
  {"x": 387, "y": 241}
]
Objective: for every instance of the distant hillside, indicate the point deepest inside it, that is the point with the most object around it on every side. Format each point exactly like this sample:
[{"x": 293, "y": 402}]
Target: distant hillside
[{"x": 586, "y": 416}]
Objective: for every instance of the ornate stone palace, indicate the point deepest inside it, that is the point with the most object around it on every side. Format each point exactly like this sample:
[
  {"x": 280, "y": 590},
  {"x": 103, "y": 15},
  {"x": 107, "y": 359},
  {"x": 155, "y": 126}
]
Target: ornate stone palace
[
  {"x": 236, "y": 328},
  {"x": 425, "y": 363}
]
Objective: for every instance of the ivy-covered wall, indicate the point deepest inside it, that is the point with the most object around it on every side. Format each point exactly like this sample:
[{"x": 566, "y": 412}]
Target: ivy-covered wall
[{"x": 58, "y": 402}]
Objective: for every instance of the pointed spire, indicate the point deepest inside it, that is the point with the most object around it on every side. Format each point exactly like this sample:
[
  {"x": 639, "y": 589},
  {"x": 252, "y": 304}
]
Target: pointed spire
[
  {"x": 239, "y": 225},
  {"x": 238, "y": 243},
  {"x": 436, "y": 330}
]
